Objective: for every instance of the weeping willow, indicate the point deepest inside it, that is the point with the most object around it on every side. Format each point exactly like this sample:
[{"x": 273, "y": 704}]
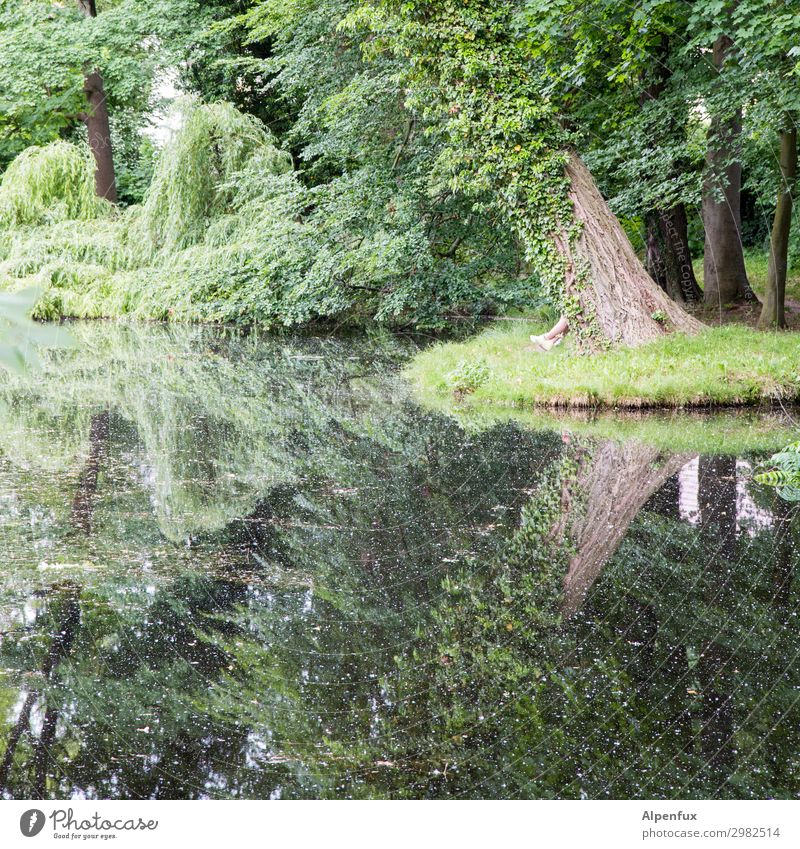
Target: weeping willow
[
  {"x": 194, "y": 249},
  {"x": 44, "y": 185},
  {"x": 197, "y": 179}
]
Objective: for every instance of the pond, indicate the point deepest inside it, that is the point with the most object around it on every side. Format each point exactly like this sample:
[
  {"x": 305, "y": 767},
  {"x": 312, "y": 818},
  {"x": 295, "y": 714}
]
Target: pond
[{"x": 238, "y": 566}]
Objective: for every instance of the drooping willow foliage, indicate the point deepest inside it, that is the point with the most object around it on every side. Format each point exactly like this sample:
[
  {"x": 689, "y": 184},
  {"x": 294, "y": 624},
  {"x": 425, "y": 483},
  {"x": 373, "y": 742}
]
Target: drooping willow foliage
[
  {"x": 44, "y": 185},
  {"x": 199, "y": 176}
]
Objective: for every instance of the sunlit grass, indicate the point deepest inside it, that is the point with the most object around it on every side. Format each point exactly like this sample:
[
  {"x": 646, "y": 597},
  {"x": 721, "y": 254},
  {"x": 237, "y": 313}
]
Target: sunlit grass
[{"x": 724, "y": 366}]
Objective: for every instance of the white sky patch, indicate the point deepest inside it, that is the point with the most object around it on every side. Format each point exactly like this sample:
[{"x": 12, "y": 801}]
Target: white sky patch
[
  {"x": 167, "y": 119},
  {"x": 749, "y": 516}
]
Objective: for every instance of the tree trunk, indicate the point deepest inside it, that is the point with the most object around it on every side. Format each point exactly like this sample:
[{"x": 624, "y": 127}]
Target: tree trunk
[
  {"x": 97, "y": 125},
  {"x": 618, "y": 300},
  {"x": 772, "y": 312},
  {"x": 725, "y": 277},
  {"x": 669, "y": 260}
]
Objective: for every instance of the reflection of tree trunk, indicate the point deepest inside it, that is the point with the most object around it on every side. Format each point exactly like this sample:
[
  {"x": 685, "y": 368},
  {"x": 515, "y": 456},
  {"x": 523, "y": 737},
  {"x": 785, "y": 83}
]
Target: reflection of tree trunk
[
  {"x": 83, "y": 503},
  {"x": 613, "y": 485},
  {"x": 666, "y": 501},
  {"x": 782, "y": 573},
  {"x": 21, "y": 726},
  {"x": 60, "y": 647},
  {"x": 716, "y": 717},
  {"x": 717, "y": 501}
]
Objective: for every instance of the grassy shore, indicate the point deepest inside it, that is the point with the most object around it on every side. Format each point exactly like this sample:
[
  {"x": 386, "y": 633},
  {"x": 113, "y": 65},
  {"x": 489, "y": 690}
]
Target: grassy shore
[{"x": 725, "y": 366}]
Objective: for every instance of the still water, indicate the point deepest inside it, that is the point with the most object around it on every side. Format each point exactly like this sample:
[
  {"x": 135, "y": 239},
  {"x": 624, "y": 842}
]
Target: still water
[{"x": 246, "y": 567}]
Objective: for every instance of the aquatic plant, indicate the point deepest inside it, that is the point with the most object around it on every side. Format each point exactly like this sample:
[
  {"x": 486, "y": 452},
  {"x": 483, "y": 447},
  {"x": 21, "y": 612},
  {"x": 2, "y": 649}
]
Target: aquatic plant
[{"x": 782, "y": 471}]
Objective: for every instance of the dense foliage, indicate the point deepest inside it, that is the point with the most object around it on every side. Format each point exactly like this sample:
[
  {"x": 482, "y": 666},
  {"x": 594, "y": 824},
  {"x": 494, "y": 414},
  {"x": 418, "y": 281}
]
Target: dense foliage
[{"x": 427, "y": 144}]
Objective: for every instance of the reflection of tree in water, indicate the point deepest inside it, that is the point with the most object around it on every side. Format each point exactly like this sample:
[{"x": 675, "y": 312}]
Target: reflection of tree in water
[
  {"x": 612, "y": 484},
  {"x": 650, "y": 690},
  {"x": 63, "y": 622},
  {"x": 331, "y": 592},
  {"x": 371, "y": 501}
]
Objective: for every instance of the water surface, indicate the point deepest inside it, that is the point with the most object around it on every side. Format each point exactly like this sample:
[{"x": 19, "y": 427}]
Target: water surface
[{"x": 248, "y": 567}]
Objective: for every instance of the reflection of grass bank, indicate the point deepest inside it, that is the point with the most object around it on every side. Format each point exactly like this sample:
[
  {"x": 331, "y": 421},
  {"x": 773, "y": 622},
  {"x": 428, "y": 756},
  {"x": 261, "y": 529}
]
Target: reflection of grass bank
[
  {"x": 677, "y": 431},
  {"x": 727, "y": 366}
]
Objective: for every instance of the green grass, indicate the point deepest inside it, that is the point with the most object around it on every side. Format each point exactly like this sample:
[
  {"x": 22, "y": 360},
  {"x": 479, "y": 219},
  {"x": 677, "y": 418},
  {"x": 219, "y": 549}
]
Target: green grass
[{"x": 725, "y": 366}]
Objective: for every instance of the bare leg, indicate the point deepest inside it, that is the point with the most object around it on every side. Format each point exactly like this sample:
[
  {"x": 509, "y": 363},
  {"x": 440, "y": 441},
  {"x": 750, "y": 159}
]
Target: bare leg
[
  {"x": 548, "y": 340},
  {"x": 558, "y": 329}
]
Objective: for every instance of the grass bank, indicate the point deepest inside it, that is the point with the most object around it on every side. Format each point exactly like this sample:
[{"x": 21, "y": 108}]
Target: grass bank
[{"x": 725, "y": 366}]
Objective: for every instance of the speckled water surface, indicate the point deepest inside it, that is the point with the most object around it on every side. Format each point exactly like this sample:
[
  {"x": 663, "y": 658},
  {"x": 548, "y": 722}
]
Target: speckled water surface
[{"x": 246, "y": 566}]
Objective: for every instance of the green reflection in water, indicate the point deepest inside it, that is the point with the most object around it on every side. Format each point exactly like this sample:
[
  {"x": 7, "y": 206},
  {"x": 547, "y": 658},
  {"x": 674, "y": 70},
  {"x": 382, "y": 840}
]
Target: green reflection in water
[{"x": 249, "y": 567}]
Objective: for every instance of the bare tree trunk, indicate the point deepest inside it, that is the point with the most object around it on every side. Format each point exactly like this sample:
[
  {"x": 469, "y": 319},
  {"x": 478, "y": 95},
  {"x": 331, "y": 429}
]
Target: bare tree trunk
[
  {"x": 613, "y": 486},
  {"x": 725, "y": 277},
  {"x": 618, "y": 299},
  {"x": 772, "y": 312},
  {"x": 97, "y": 125},
  {"x": 669, "y": 260}
]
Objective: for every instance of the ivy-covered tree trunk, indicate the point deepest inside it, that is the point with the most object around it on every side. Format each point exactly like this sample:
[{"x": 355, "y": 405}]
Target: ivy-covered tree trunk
[
  {"x": 669, "y": 260},
  {"x": 610, "y": 295},
  {"x": 772, "y": 312},
  {"x": 97, "y": 125},
  {"x": 724, "y": 273},
  {"x": 473, "y": 76}
]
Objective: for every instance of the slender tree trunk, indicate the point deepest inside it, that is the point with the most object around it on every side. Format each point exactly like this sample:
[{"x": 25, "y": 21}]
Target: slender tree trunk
[
  {"x": 725, "y": 277},
  {"x": 97, "y": 125},
  {"x": 669, "y": 260},
  {"x": 772, "y": 311},
  {"x": 618, "y": 299}
]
